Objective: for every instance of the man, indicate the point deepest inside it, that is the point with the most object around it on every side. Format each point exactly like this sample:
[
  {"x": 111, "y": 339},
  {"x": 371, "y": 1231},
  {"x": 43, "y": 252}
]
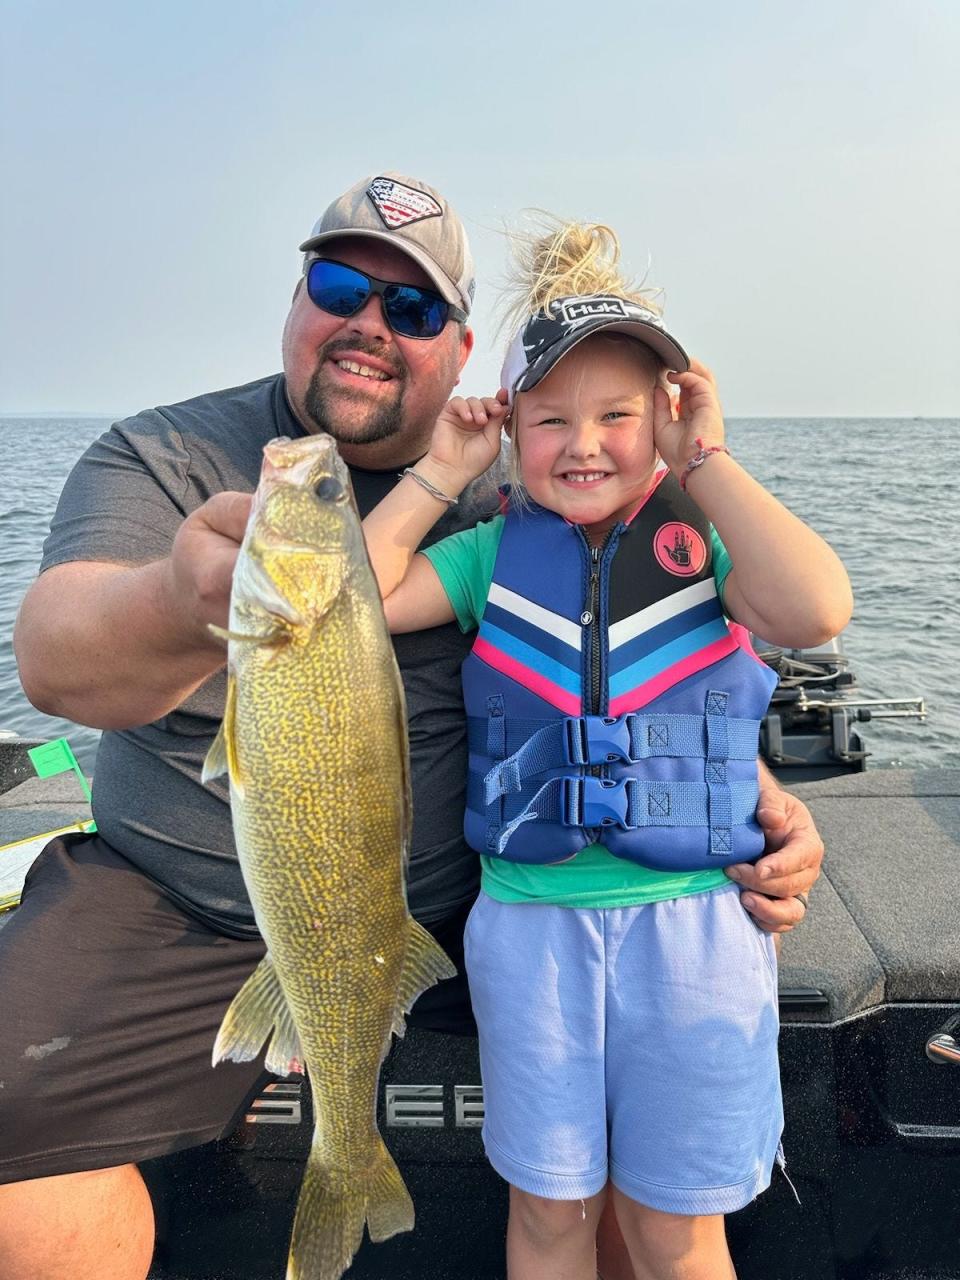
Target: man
[{"x": 118, "y": 966}]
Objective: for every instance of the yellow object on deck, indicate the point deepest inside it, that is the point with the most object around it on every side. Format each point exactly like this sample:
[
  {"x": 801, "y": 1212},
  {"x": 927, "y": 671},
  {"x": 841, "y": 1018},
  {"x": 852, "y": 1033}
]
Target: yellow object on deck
[{"x": 17, "y": 858}]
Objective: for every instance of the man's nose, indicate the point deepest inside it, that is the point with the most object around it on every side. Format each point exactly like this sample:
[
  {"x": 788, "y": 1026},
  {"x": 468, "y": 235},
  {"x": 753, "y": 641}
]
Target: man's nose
[{"x": 370, "y": 322}]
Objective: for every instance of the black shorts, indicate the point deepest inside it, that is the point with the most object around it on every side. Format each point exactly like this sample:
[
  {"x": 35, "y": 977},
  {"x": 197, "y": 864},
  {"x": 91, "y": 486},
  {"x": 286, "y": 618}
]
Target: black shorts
[{"x": 110, "y": 1000}]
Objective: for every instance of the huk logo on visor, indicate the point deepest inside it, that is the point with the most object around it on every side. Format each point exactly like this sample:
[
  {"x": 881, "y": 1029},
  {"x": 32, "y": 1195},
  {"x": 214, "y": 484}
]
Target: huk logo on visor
[
  {"x": 587, "y": 308},
  {"x": 399, "y": 205},
  {"x": 578, "y": 310}
]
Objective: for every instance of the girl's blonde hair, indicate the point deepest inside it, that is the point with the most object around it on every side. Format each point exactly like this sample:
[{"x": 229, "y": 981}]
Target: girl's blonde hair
[{"x": 560, "y": 259}]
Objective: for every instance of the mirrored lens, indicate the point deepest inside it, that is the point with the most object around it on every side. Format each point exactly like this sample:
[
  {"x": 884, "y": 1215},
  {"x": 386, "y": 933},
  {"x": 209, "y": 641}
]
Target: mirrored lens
[
  {"x": 342, "y": 291},
  {"x": 414, "y": 312},
  {"x": 336, "y": 288}
]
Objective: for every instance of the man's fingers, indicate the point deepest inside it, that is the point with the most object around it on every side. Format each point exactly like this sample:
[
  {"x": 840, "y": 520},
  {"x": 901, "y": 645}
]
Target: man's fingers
[
  {"x": 771, "y": 809},
  {"x": 785, "y": 886},
  {"x": 773, "y": 823},
  {"x": 227, "y": 514},
  {"x": 774, "y": 915},
  {"x": 774, "y": 868}
]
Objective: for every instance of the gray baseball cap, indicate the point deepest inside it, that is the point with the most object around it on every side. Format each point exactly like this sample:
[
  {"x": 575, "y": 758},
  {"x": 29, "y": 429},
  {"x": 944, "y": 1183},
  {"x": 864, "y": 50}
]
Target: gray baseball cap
[{"x": 411, "y": 216}]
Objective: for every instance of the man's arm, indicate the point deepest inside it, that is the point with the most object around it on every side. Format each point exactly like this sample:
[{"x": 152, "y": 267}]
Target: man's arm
[
  {"x": 790, "y": 864},
  {"x": 114, "y": 646}
]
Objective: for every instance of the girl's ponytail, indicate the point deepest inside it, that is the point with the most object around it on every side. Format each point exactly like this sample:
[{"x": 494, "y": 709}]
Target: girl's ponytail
[{"x": 566, "y": 259}]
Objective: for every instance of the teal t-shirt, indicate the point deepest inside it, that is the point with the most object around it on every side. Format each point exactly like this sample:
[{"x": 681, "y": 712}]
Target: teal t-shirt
[{"x": 464, "y": 562}]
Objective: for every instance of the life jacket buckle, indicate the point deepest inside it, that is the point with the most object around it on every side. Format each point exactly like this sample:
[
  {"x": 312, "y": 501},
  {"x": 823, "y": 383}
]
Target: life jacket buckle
[
  {"x": 595, "y": 802},
  {"x": 597, "y": 739}
]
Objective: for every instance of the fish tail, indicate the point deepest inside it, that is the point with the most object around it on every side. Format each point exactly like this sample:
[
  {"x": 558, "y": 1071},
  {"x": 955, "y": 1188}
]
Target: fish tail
[
  {"x": 389, "y": 1207},
  {"x": 328, "y": 1226}
]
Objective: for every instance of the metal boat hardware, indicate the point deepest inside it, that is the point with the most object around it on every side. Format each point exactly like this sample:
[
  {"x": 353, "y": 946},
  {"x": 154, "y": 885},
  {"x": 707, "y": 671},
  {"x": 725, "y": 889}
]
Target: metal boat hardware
[
  {"x": 943, "y": 1048},
  {"x": 279, "y": 1103},
  {"x": 420, "y": 1106}
]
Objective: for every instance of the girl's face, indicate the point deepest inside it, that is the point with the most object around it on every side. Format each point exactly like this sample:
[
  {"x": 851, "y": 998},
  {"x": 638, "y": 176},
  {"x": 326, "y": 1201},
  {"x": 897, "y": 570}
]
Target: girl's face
[{"x": 585, "y": 433}]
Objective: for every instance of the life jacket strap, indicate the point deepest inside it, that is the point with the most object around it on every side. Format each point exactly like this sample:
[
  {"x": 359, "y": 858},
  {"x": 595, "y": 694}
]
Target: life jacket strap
[
  {"x": 719, "y": 803},
  {"x": 630, "y": 803},
  {"x": 593, "y": 740}
]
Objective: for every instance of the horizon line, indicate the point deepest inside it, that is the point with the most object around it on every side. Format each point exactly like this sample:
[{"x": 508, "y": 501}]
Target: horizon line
[{"x": 50, "y": 414}]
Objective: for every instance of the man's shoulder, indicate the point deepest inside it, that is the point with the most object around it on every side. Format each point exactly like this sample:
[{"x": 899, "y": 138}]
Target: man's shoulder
[
  {"x": 256, "y": 400},
  {"x": 212, "y": 441}
]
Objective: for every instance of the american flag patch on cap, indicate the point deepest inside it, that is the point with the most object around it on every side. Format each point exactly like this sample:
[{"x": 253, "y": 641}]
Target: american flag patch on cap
[{"x": 399, "y": 205}]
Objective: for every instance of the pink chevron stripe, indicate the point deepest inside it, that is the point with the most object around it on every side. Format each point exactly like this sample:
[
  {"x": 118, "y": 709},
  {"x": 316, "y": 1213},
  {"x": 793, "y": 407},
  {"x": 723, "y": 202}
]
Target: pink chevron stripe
[
  {"x": 646, "y": 693},
  {"x": 742, "y": 637},
  {"x": 526, "y": 676}
]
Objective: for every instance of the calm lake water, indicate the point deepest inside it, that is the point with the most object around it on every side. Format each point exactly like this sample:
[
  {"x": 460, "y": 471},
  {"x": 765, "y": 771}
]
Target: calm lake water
[{"x": 879, "y": 490}]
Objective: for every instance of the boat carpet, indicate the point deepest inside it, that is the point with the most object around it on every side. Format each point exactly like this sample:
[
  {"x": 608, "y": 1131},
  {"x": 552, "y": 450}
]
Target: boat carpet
[{"x": 884, "y": 925}]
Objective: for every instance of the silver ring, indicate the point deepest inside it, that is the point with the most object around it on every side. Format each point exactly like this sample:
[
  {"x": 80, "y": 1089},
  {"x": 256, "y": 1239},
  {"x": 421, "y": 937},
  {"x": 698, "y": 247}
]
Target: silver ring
[{"x": 804, "y": 898}]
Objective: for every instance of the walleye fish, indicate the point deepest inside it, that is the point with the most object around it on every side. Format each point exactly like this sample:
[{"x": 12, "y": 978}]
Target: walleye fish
[{"x": 314, "y": 740}]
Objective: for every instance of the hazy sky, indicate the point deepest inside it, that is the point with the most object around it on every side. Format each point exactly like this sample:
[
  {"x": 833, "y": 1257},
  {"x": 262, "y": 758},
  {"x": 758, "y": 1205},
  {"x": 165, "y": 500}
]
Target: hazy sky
[{"x": 790, "y": 170}]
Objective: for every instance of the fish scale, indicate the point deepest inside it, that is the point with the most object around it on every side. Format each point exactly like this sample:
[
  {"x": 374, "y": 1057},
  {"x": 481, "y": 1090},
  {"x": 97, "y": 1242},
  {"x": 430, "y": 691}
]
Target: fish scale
[{"x": 314, "y": 741}]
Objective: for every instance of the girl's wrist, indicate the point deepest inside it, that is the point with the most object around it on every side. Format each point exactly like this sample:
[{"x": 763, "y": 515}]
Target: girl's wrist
[
  {"x": 440, "y": 478},
  {"x": 698, "y": 458}
]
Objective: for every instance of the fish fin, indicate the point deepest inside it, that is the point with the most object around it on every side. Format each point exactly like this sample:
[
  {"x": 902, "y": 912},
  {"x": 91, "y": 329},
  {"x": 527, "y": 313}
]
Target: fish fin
[
  {"x": 328, "y": 1226},
  {"x": 258, "y": 1009},
  {"x": 222, "y": 756},
  {"x": 285, "y": 1054},
  {"x": 424, "y": 964}
]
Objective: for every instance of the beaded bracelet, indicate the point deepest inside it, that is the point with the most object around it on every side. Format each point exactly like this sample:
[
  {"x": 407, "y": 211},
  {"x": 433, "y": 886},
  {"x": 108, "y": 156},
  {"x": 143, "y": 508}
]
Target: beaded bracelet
[
  {"x": 699, "y": 459},
  {"x": 432, "y": 489}
]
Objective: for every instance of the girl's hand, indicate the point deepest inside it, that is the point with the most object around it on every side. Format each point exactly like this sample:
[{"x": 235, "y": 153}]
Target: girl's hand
[
  {"x": 466, "y": 440},
  {"x": 699, "y": 419}
]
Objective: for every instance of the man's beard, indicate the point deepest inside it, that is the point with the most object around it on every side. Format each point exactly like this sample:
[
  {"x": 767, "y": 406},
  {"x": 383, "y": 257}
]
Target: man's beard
[{"x": 380, "y": 421}]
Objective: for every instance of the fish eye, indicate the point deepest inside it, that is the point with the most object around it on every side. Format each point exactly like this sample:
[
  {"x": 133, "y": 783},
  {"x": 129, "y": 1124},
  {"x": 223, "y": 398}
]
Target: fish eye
[{"x": 328, "y": 489}]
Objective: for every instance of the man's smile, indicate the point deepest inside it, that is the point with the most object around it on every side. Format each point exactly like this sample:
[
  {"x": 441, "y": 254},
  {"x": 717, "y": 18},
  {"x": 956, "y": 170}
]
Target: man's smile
[
  {"x": 364, "y": 370},
  {"x": 352, "y": 367}
]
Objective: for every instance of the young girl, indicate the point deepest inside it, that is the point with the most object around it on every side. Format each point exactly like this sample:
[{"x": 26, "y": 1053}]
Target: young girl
[{"x": 627, "y": 1005}]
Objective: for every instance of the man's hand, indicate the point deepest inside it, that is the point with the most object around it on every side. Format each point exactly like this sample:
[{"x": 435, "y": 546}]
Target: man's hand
[
  {"x": 790, "y": 865},
  {"x": 114, "y": 645},
  {"x": 199, "y": 573}
]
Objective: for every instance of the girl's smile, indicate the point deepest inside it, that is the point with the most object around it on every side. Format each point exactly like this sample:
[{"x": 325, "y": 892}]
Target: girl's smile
[{"x": 585, "y": 433}]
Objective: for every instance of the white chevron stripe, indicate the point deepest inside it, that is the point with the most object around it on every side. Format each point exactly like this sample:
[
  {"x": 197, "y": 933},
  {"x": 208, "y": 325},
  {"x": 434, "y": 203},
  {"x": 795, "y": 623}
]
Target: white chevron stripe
[
  {"x": 565, "y": 630},
  {"x": 662, "y": 611}
]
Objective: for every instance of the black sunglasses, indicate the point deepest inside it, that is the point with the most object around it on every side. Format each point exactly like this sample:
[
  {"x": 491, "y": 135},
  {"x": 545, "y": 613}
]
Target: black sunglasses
[{"x": 409, "y": 310}]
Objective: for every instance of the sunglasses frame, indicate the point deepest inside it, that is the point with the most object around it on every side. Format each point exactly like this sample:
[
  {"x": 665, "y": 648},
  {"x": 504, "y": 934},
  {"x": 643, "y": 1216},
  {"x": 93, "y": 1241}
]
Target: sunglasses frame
[{"x": 380, "y": 287}]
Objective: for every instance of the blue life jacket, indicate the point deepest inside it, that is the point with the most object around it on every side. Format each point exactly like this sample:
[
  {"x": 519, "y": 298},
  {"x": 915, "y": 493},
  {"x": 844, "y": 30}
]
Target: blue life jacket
[{"x": 609, "y": 701}]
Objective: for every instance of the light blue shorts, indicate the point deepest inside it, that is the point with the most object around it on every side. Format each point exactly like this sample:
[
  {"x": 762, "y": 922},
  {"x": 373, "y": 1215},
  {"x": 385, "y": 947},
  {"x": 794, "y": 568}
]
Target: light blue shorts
[{"x": 635, "y": 1043}]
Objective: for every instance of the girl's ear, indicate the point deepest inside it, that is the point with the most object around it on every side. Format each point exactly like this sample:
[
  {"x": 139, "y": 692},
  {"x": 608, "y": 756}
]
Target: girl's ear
[{"x": 507, "y": 426}]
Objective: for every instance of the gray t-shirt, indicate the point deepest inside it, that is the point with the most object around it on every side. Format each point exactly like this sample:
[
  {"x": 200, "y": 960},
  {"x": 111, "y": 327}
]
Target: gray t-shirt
[{"x": 124, "y": 502}]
